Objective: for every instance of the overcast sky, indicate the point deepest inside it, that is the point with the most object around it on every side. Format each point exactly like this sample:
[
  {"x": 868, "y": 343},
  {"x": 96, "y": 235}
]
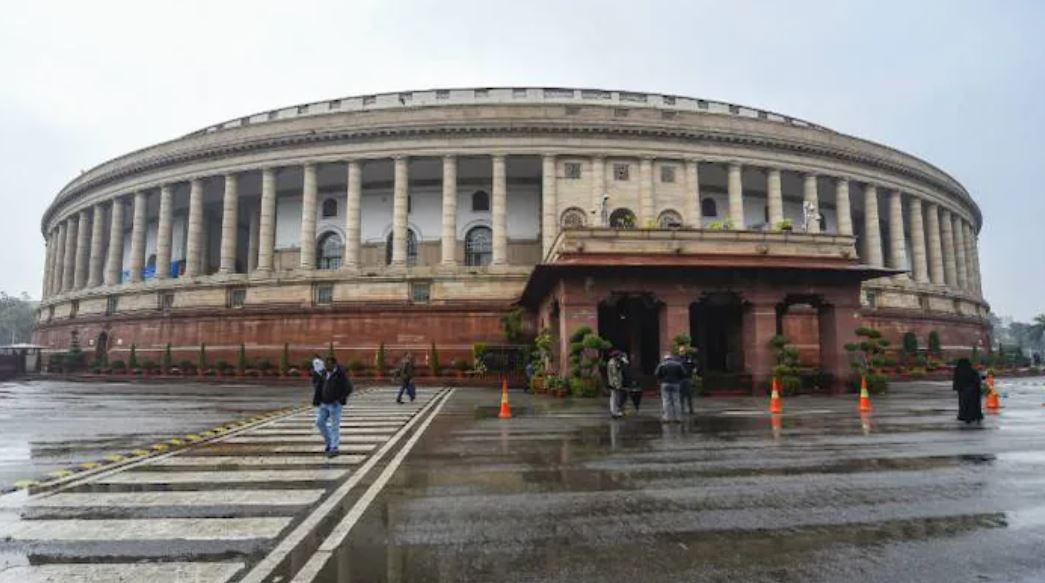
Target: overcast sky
[{"x": 961, "y": 84}]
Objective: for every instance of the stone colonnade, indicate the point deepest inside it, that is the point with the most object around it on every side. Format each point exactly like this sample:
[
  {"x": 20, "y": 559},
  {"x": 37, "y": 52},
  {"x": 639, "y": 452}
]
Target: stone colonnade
[{"x": 943, "y": 244}]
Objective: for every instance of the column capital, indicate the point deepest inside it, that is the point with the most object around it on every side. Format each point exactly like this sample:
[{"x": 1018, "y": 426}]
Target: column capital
[
  {"x": 811, "y": 174},
  {"x": 449, "y": 156},
  {"x": 734, "y": 164},
  {"x": 498, "y": 155},
  {"x": 401, "y": 157},
  {"x": 841, "y": 179}
]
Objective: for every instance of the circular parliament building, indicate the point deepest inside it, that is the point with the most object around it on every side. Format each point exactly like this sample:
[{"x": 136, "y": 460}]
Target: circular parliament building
[{"x": 422, "y": 218}]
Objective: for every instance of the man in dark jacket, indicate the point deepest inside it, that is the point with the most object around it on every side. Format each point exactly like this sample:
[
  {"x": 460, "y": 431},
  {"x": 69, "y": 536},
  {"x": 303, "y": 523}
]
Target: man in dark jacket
[
  {"x": 332, "y": 398},
  {"x": 670, "y": 372},
  {"x": 406, "y": 376}
]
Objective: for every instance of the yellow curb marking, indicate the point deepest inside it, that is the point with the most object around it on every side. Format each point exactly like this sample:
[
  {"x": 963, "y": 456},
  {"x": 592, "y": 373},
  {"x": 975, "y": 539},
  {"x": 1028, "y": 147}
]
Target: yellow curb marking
[
  {"x": 90, "y": 465},
  {"x": 60, "y": 473},
  {"x": 23, "y": 484},
  {"x": 115, "y": 457}
]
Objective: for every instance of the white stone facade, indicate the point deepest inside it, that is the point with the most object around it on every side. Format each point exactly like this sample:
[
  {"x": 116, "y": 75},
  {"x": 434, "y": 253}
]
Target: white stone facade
[{"x": 538, "y": 156}]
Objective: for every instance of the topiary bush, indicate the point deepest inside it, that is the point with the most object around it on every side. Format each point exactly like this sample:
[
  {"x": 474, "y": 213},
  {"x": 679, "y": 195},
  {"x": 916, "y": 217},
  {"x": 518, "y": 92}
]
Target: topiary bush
[
  {"x": 786, "y": 369},
  {"x": 868, "y": 357}
]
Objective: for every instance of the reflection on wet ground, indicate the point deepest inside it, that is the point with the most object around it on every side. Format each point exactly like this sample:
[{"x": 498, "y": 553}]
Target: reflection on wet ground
[
  {"x": 50, "y": 425},
  {"x": 563, "y": 493}
]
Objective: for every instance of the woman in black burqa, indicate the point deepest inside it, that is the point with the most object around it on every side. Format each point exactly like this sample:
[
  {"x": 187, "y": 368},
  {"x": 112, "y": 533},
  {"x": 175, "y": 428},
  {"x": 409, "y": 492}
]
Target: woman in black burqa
[{"x": 967, "y": 384}]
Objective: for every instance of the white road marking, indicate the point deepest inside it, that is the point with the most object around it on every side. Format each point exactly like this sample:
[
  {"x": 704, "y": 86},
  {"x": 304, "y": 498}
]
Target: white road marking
[
  {"x": 180, "y": 572},
  {"x": 264, "y": 568},
  {"x": 223, "y": 477},
  {"x": 337, "y": 536},
  {"x": 179, "y": 498},
  {"x": 258, "y": 460},
  {"x": 195, "y": 529}
]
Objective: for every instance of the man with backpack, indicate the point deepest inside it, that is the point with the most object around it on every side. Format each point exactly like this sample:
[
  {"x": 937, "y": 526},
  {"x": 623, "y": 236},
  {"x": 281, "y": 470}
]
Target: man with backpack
[{"x": 330, "y": 401}]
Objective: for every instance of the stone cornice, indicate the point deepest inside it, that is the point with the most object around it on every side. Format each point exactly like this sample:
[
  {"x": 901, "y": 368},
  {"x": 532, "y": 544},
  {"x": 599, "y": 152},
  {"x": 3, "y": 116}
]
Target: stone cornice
[{"x": 675, "y": 133}]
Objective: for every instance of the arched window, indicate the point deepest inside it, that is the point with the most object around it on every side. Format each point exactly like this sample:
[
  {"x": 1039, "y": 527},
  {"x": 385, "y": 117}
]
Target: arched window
[
  {"x": 669, "y": 219},
  {"x": 572, "y": 218},
  {"x": 478, "y": 246},
  {"x": 708, "y": 208},
  {"x": 328, "y": 250},
  {"x": 411, "y": 248},
  {"x": 622, "y": 218},
  {"x": 329, "y": 208},
  {"x": 480, "y": 201}
]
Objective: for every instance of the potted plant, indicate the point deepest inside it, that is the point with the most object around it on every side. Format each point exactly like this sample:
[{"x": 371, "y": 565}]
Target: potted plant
[
  {"x": 119, "y": 367},
  {"x": 786, "y": 369},
  {"x": 356, "y": 366},
  {"x": 587, "y": 351},
  {"x": 786, "y": 225},
  {"x": 868, "y": 358},
  {"x": 479, "y": 358}
]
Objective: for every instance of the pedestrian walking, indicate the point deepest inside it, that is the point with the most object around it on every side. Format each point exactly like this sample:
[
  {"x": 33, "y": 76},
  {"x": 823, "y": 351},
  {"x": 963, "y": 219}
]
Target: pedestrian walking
[
  {"x": 967, "y": 384},
  {"x": 670, "y": 372},
  {"x": 615, "y": 380},
  {"x": 528, "y": 370},
  {"x": 332, "y": 398},
  {"x": 630, "y": 386},
  {"x": 405, "y": 373},
  {"x": 686, "y": 386},
  {"x": 319, "y": 374}
]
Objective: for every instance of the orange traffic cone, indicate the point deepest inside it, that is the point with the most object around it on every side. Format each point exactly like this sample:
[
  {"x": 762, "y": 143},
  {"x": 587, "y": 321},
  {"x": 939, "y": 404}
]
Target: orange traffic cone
[
  {"x": 865, "y": 397},
  {"x": 992, "y": 395},
  {"x": 776, "y": 404},
  {"x": 506, "y": 409}
]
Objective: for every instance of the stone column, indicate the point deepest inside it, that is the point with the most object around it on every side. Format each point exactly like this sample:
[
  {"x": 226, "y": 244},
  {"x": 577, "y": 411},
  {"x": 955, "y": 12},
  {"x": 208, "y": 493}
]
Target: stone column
[
  {"x": 970, "y": 263},
  {"x": 872, "y": 230},
  {"x": 69, "y": 269},
  {"x": 974, "y": 248},
  {"x": 735, "y": 187},
  {"x": 114, "y": 257},
  {"x": 137, "y": 259},
  {"x": 252, "y": 239},
  {"x": 647, "y": 206},
  {"x": 844, "y": 214},
  {"x": 96, "y": 262},
  {"x": 961, "y": 261},
  {"x": 919, "y": 261},
  {"x": 48, "y": 257},
  {"x": 836, "y": 323},
  {"x": 449, "y": 239},
  {"x": 897, "y": 246},
  {"x": 499, "y": 211},
  {"x": 58, "y": 268},
  {"x": 194, "y": 239},
  {"x": 229, "y": 225},
  {"x": 354, "y": 200},
  {"x": 936, "y": 273},
  {"x": 759, "y": 325},
  {"x": 309, "y": 194},
  {"x": 950, "y": 266},
  {"x": 692, "y": 204},
  {"x": 83, "y": 241},
  {"x": 810, "y": 195},
  {"x": 401, "y": 192},
  {"x": 267, "y": 221},
  {"x": 549, "y": 204},
  {"x": 163, "y": 232},
  {"x": 775, "y": 198},
  {"x": 598, "y": 188}
]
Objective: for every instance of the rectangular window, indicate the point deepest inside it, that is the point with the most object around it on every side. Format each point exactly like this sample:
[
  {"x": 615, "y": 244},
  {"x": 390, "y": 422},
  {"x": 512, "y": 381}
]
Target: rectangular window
[
  {"x": 74, "y": 308},
  {"x": 335, "y": 104},
  {"x": 405, "y": 98},
  {"x": 519, "y": 93},
  {"x": 668, "y": 100},
  {"x": 482, "y": 93},
  {"x": 302, "y": 109},
  {"x": 112, "y": 304},
  {"x": 442, "y": 94},
  {"x": 323, "y": 294},
  {"x": 237, "y": 297},
  {"x": 572, "y": 170},
  {"x": 420, "y": 291},
  {"x": 273, "y": 115},
  {"x": 166, "y": 301},
  {"x": 621, "y": 171},
  {"x": 369, "y": 100},
  {"x": 667, "y": 173}
]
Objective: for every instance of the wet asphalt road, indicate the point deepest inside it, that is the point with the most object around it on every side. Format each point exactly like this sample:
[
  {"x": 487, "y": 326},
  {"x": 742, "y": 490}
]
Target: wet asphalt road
[
  {"x": 558, "y": 493},
  {"x": 562, "y": 493},
  {"x": 51, "y": 425}
]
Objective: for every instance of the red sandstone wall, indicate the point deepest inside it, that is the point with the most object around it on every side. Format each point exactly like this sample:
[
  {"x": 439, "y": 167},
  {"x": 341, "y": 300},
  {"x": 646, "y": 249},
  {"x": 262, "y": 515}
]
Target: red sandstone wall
[{"x": 354, "y": 334}]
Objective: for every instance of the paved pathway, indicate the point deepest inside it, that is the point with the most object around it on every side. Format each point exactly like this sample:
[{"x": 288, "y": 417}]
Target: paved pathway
[{"x": 244, "y": 507}]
